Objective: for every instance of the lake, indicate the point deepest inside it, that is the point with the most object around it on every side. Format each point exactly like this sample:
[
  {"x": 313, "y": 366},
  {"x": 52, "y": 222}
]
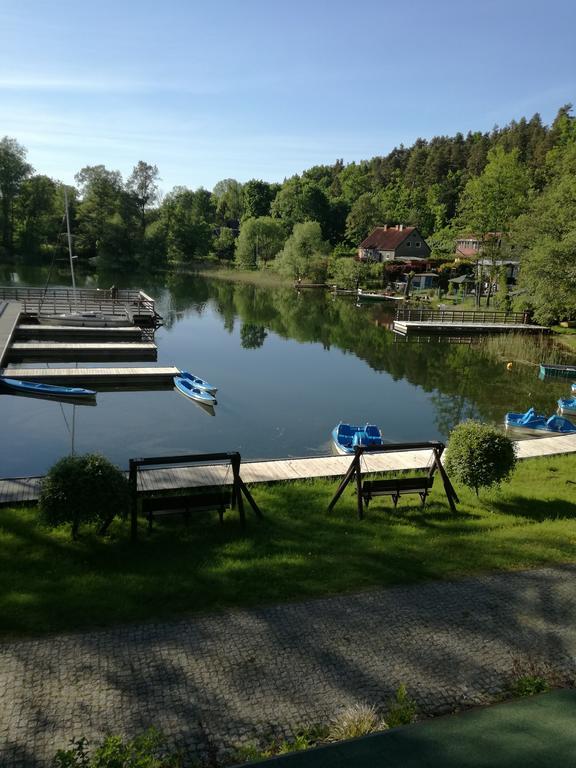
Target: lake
[{"x": 288, "y": 365}]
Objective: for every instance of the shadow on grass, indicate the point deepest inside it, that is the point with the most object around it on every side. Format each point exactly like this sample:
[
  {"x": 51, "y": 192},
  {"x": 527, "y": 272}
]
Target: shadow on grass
[{"x": 536, "y": 509}]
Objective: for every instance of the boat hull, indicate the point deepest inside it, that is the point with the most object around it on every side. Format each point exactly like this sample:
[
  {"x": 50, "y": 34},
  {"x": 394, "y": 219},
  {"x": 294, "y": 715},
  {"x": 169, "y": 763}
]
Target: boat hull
[
  {"x": 200, "y": 396},
  {"x": 46, "y": 390},
  {"x": 86, "y": 320},
  {"x": 566, "y": 371},
  {"x": 567, "y": 405},
  {"x": 555, "y": 425}
]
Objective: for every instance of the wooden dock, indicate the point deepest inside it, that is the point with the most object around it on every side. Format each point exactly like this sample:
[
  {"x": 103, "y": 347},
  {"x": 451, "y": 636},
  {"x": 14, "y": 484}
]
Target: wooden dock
[
  {"x": 70, "y": 333},
  {"x": 125, "y": 377},
  {"x": 22, "y": 490},
  {"x": 60, "y": 351},
  {"x": 9, "y": 316},
  {"x": 405, "y": 327}
]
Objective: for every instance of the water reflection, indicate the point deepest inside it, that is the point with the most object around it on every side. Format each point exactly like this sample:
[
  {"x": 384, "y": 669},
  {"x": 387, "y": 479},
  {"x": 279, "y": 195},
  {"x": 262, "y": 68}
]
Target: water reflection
[{"x": 320, "y": 359}]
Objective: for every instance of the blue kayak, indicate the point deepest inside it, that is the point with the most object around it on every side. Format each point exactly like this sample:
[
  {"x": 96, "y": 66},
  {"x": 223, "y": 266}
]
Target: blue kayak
[
  {"x": 347, "y": 437},
  {"x": 185, "y": 387},
  {"x": 47, "y": 390},
  {"x": 537, "y": 421},
  {"x": 198, "y": 382}
]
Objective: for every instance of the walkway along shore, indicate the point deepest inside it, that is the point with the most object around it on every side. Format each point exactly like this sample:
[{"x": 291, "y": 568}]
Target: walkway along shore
[{"x": 22, "y": 490}]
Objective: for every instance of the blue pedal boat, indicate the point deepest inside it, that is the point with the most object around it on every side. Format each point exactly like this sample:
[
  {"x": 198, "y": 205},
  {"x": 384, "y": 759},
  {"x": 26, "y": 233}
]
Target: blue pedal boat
[
  {"x": 567, "y": 404},
  {"x": 198, "y": 382},
  {"x": 46, "y": 390},
  {"x": 187, "y": 388},
  {"x": 347, "y": 437},
  {"x": 539, "y": 422}
]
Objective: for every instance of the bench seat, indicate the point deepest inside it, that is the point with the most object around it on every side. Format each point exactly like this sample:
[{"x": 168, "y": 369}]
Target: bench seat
[
  {"x": 186, "y": 504},
  {"x": 397, "y": 487}
]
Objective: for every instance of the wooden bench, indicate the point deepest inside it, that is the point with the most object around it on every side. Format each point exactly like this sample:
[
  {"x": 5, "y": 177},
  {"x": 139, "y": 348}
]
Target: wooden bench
[
  {"x": 397, "y": 487},
  {"x": 185, "y": 504}
]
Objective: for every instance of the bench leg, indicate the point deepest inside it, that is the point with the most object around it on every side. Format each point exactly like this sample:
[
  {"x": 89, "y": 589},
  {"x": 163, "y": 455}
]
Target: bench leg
[
  {"x": 221, "y": 515},
  {"x": 150, "y": 520},
  {"x": 423, "y": 497},
  {"x": 395, "y": 497}
]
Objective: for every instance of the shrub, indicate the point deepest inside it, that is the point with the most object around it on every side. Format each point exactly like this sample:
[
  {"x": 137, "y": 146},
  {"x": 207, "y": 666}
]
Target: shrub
[
  {"x": 402, "y": 710},
  {"x": 479, "y": 456},
  {"x": 529, "y": 685},
  {"x": 356, "y": 720},
  {"x": 83, "y": 489},
  {"x": 145, "y": 751}
]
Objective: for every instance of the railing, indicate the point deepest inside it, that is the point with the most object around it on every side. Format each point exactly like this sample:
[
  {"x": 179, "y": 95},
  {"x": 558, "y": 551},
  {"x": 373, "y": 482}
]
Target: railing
[
  {"x": 110, "y": 302},
  {"x": 462, "y": 316}
]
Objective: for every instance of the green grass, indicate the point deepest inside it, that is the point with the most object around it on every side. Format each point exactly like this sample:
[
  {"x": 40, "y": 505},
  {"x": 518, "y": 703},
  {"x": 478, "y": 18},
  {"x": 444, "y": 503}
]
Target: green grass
[
  {"x": 49, "y": 583},
  {"x": 265, "y": 278}
]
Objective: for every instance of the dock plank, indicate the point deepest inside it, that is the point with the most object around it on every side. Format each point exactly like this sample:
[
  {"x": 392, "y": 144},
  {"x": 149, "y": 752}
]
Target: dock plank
[
  {"x": 120, "y": 377},
  {"x": 26, "y": 489}
]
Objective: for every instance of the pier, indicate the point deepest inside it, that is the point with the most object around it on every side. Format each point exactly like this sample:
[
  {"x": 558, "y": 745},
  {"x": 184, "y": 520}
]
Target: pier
[
  {"x": 25, "y": 490},
  {"x": 462, "y": 322},
  {"x": 125, "y": 378},
  {"x": 87, "y": 351}
]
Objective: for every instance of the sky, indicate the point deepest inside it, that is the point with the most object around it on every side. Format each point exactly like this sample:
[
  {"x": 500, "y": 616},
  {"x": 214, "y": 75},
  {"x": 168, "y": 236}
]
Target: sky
[{"x": 261, "y": 89}]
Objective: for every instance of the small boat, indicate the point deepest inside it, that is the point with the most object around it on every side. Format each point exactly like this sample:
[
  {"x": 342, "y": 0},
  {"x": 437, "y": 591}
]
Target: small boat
[
  {"x": 198, "y": 382},
  {"x": 87, "y": 319},
  {"x": 347, "y": 437},
  {"x": 46, "y": 390},
  {"x": 539, "y": 422},
  {"x": 373, "y": 296},
  {"x": 567, "y": 404},
  {"x": 568, "y": 371},
  {"x": 185, "y": 387}
]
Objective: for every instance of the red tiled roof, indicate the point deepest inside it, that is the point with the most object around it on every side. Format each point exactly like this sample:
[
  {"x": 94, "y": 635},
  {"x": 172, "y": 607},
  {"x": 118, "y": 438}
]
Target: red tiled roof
[{"x": 386, "y": 239}]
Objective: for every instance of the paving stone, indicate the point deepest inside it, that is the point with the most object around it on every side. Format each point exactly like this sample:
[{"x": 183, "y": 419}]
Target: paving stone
[{"x": 240, "y": 676}]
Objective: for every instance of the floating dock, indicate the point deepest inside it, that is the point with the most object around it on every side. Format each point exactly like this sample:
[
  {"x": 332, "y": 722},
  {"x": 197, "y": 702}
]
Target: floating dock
[
  {"x": 70, "y": 333},
  {"x": 405, "y": 327},
  {"x": 125, "y": 378},
  {"x": 60, "y": 351},
  {"x": 9, "y": 316},
  {"x": 23, "y": 490}
]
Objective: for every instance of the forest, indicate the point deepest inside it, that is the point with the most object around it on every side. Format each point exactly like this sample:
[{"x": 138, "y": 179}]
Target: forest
[{"x": 518, "y": 181}]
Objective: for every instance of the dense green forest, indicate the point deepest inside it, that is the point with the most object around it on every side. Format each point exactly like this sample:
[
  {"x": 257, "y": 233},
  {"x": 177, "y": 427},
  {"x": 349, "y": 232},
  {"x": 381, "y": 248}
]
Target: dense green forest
[{"x": 519, "y": 180}]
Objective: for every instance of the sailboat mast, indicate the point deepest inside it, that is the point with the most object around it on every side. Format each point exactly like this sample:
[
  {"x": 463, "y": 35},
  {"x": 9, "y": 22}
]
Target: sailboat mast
[{"x": 70, "y": 254}]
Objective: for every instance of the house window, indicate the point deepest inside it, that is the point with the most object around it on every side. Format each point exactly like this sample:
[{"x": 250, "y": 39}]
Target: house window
[
  {"x": 408, "y": 243},
  {"x": 417, "y": 245}
]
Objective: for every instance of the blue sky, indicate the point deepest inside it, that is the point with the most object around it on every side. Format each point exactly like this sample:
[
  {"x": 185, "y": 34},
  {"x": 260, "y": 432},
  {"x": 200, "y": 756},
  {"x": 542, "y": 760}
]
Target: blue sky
[{"x": 262, "y": 89}]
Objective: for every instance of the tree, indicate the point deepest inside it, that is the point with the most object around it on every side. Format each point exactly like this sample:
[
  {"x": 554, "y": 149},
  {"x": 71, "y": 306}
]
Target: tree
[
  {"x": 229, "y": 201},
  {"x": 492, "y": 201},
  {"x": 142, "y": 183},
  {"x": 13, "y": 170},
  {"x": 259, "y": 241},
  {"x": 300, "y": 201},
  {"x": 224, "y": 243},
  {"x": 304, "y": 252},
  {"x": 479, "y": 455},
  {"x": 38, "y": 211},
  {"x": 258, "y": 197},
  {"x": 363, "y": 217},
  {"x": 98, "y": 212},
  {"x": 187, "y": 217}
]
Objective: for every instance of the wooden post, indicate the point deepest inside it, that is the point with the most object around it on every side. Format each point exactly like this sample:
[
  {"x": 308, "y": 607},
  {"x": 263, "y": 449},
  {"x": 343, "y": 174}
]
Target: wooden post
[
  {"x": 359, "y": 484},
  {"x": 448, "y": 487},
  {"x": 133, "y": 481},
  {"x": 237, "y": 490},
  {"x": 342, "y": 487}
]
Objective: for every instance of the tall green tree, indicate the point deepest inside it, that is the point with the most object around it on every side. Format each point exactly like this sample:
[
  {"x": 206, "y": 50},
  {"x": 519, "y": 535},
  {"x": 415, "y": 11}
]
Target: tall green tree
[
  {"x": 300, "y": 201},
  {"x": 305, "y": 252},
  {"x": 143, "y": 184},
  {"x": 259, "y": 241},
  {"x": 229, "y": 196},
  {"x": 13, "y": 171},
  {"x": 258, "y": 197}
]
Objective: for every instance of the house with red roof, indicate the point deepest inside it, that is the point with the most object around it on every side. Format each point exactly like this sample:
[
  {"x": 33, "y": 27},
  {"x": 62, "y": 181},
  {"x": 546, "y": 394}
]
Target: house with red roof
[{"x": 397, "y": 243}]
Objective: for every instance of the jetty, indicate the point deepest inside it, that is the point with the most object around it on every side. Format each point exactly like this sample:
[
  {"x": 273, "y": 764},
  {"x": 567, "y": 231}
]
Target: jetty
[
  {"x": 462, "y": 322},
  {"x": 98, "y": 378},
  {"x": 25, "y": 490}
]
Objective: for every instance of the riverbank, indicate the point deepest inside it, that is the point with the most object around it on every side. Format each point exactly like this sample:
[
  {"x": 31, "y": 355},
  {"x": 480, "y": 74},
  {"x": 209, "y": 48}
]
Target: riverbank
[
  {"x": 265, "y": 278},
  {"x": 49, "y": 583}
]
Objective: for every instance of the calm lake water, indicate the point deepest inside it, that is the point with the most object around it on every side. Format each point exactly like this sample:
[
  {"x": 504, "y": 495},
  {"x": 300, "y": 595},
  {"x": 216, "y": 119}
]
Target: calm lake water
[{"x": 288, "y": 367}]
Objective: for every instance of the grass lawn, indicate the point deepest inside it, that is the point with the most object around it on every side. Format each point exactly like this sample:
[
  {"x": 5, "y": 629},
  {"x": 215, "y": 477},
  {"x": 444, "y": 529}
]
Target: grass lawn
[{"x": 49, "y": 583}]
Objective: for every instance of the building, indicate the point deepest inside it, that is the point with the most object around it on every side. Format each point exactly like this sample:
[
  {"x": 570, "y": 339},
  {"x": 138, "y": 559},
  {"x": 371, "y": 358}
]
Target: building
[{"x": 398, "y": 243}]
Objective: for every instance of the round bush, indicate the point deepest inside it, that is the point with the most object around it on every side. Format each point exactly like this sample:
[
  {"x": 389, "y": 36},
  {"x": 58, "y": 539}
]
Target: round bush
[
  {"x": 479, "y": 456},
  {"x": 83, "y": 489}
]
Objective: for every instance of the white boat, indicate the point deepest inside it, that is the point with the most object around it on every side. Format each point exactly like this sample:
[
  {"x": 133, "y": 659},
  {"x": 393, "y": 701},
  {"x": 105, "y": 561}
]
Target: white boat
[
  {"x": 86, "y": 319},
  {"x": 76, "y": 317}
]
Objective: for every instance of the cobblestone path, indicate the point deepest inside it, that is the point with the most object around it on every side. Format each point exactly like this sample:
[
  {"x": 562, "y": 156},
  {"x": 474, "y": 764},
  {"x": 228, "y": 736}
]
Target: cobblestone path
[{"x": 239, "y": 675}]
